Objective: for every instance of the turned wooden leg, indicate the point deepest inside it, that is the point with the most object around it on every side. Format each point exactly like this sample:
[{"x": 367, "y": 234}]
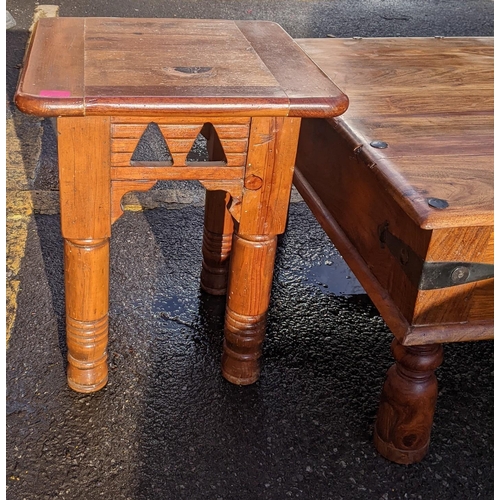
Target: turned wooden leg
[
  {"x": 268, "y": 177},
  {"x": 217, "y": 238},
  {"x": 406, "y": 411},
  {"x": 249, "y": 291},
  {"x": 86, "y": 270},
  {"x": 84, "y": 175}
]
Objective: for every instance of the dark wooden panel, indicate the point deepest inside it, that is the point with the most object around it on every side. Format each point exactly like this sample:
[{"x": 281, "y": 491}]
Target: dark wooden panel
[
  {"x": 378, "y": 294},
  {"x": 357, "y": 200}
]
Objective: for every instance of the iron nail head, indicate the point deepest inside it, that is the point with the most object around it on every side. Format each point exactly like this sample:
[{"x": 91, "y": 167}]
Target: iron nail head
[
  {"x": 379, "y": 144},
  {"x": 460, "y": 274},
  {"x": 437, "y": 203}
]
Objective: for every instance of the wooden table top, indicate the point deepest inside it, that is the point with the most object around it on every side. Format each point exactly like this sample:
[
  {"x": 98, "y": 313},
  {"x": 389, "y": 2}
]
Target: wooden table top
[
  {"x": 104, "y": 66},
  {"x": 431, "y": 101}
]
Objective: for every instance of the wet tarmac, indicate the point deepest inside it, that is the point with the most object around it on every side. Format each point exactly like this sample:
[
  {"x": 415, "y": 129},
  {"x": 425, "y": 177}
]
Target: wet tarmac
[
  {"x": 167, "y": 425},
  {"x": 300, "y": 18}
]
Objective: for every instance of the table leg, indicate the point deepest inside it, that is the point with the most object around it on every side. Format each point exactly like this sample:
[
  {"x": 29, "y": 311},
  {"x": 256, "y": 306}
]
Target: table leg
[
  {"x": 406, "y": 411},
  {"x": 84, "y": 174},
  {"x": 217, "y": 238},
  {"x": 249, "y": 291},
  {"x": 86, "y": 270},
  {"x": 264, "y": 208}
]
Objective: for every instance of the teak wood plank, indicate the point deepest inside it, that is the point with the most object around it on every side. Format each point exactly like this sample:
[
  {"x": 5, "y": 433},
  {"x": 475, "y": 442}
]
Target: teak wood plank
[
  {"x": 171, "y": 60},
  {"x": 388, "y": 63},
  {"x": 176, "y": 173},
  {"x": 178, "y": 145},
  {"x": 51, "y": 79},
  {"x": 431, "y": 101},
  {"x": 182, "y": 120},
  {"x": 426, "y": 101},
  {"x": 310, "y": 91},
  {"x": 132, "y": 131},
  {"x": 416, "y": 135},
  {"x": 234, "y": 160},
  {"x": 181, "y": 67},
  {"x": 84, "y": 175}
]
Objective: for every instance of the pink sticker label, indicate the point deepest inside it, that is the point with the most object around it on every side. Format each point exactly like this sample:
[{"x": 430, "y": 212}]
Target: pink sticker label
[{"x": 55, "y": 93}]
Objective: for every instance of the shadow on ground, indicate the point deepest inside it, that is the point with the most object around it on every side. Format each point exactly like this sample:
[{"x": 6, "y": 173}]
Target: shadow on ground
[{"x": 168, "y": 426}]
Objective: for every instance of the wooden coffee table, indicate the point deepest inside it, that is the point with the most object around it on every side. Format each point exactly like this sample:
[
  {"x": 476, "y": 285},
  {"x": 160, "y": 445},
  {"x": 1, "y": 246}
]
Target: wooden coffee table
[
  {"x": 403, "y": 185},
  {"x": 244, "y": 85}
]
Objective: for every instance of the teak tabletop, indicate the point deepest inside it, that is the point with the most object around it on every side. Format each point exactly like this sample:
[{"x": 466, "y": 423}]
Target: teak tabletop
[
  {"x": 431, "y": 101},
  {"x": 103, "y": 66},
  {"x": 240, "y": 86}
]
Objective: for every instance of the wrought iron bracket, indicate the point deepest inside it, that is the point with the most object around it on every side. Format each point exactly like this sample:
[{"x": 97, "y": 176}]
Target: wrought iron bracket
[{"x": 432, "y": 275}]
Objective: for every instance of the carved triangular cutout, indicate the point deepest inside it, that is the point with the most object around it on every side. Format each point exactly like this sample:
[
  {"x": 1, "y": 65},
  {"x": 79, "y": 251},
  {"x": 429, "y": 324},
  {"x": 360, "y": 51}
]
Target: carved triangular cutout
[
  {"x": 152, "y": 149},
  {"x": 207, "y": 149}
]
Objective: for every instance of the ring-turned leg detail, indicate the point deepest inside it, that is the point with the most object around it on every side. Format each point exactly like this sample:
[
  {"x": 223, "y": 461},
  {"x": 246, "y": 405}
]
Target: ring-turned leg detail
[
  {"x": 86, "y": 266},
  {"x": 407, "y": 404},
  {"x": 217, "y": 242},
  {"x": 249, "y": 291},
  {"x": 86, "y": 372}
]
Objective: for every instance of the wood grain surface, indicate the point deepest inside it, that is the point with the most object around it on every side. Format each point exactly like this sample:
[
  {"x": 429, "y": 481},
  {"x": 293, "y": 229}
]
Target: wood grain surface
[
  {"x": 431, "y": 101},
  {"x": 405, "y": 415},
  {"x": 180, "y": 134},
  {"x": 84, "y": 175},
  {"x": 442, "y": 149},
  {"x": 124, "y": 66}
]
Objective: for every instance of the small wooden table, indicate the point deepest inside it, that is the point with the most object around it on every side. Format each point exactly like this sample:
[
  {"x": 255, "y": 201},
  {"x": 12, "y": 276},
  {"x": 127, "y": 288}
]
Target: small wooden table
[
  {"x": 403, "y": 185},
  {"x": 244, "y": 85}
]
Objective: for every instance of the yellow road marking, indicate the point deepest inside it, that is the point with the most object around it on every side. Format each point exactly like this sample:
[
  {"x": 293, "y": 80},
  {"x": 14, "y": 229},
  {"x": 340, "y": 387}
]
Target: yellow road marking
[
  {"x": 20, "y": 158},
  {"x": 19, "y": 211}
]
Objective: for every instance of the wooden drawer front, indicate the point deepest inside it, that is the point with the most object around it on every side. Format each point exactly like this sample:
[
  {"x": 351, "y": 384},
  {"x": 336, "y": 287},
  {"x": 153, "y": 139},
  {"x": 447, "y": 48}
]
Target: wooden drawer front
[{"x": 179, "y": 134}]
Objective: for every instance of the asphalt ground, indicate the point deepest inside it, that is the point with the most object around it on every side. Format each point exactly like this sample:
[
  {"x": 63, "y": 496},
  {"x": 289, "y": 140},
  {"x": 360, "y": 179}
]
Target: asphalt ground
[{"x": 167, "y": 425}]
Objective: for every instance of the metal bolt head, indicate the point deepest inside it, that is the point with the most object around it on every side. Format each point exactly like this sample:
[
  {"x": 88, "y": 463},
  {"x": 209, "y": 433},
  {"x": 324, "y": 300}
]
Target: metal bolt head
[
  {"x": 437, "y": 203},
  {"x": 404, "y": 256},
  {"x": 460, "y": 274},
  {"x": 379, "y": 144}
]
